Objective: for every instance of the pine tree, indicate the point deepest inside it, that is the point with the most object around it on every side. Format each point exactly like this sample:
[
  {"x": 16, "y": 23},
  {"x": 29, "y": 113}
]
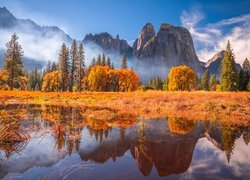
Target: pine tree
[
  {"x": 35, "y": 80},
  {"x": 54, "y": 67},
  {"x": 108, "y": 62},
  {"x": 124, "y": 62},
  {"x": 93, "y": 62},
  {"x": 205, "y": 80},
  {"x": 80, "y": 67},
  {"x": 229, "y": 75},
  {"x": 48, "y": 67},
  {"x": 64, "y": 66},
  {"x": 244, "y": 75},
  {"x": 13, "y": 60},
  {"x": 103, "y": 62},
  {"x": 112, "y": 66},
  {"x": 213, "y": 82},
  {"x": 246, "y": 66},
  {"x": 73, "y": 61},
  {"x": 99, "y": 61}
]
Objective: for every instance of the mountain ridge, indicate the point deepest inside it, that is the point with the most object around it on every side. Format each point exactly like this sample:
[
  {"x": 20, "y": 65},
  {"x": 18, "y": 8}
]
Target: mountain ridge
[{"x": 156, "y": 51}]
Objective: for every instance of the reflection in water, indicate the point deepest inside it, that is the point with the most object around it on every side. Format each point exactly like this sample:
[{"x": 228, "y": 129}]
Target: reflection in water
[{"x": 57, "y": 136}]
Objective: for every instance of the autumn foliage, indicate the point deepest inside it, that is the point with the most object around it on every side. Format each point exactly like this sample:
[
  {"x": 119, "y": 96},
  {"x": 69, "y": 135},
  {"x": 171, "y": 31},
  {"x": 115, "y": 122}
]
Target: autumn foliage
[
  {"x": 4, "y": 76},
  {"x": 51, "y": 81},
  {"x": 102, "y": 78},
  {"x": 181, "y": 78}
]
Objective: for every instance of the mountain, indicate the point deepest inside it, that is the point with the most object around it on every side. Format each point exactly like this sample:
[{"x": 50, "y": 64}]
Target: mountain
[
  {"x": 170, "y": 46},
  {"x": 9, "y": 21},
  {"x": 214, "y": 64},
  {"x": 38, "y": 42},
  {"x": 154, "y": 51},
  {"x": 28, "y": 63},
  {"x": 108, "y": 43}
]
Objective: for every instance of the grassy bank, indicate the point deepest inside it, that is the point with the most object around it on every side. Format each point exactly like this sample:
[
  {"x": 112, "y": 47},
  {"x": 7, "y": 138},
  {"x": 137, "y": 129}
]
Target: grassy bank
[{"x": 233, "y": 107}]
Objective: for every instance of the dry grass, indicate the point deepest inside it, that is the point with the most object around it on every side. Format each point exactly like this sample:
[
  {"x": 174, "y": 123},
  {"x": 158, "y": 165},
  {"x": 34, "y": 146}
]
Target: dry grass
[{"x": 231, "y": 107}]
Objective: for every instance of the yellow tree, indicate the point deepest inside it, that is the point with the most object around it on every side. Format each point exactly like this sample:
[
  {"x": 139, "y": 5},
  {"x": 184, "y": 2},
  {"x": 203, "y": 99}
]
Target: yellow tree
[
  {"x": 51, "y": 81},
  {"x": 4, "y": 76},
  {"x": 128, "y": 80},
  {"x": 98, "y": 78},
  {"x": 181, "y": 78},
  {"x": 23, "y": 81}
]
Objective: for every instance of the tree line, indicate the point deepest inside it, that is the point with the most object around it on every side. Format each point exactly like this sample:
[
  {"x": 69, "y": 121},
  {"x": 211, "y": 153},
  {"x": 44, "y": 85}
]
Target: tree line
[
  {"x": 184, "y": 78},
  {"x": 69, "y": 74}
]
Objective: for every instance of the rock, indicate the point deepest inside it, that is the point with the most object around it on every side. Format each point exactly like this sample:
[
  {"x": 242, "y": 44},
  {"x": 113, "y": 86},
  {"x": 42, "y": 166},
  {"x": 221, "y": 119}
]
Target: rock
[
  {"x": 109, "y": 44},
  {"x": 146, "y": 34},
  {"x": 171, "y": 46},
  {"x": 214, "y": 64}
]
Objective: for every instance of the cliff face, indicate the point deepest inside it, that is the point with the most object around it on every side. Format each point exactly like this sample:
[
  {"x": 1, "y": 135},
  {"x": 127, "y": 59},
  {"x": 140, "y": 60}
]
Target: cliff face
[
  {"x": 214, "y": 64},
  {"x": 146, "y": 34},
  {"x": 170, "y": 46},
  {"x": 109, "y": 44}
]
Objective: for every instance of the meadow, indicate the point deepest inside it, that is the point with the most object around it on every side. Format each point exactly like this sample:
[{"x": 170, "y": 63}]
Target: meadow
[{"x": 227, "y": 107}]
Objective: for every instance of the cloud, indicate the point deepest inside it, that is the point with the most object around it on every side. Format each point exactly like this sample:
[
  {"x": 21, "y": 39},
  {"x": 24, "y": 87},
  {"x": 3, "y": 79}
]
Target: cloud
[
  {"x": 22, "y": 12},
  {"x": 36, "y": 45},
  {"x": 234, "y": 20},
  {"x": 211, "y": 38}
]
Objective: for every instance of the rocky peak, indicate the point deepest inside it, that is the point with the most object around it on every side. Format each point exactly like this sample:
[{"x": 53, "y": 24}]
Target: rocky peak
[
  {"x": 165, "y": 26},
  {"x": 171, "y": 46},
  {"x": 6, "y": 18},
  {"x": 109, "y": 44},
  {"x": 214, "y": 64},
  {"x": 217, "y": 56},
  {"x": 146, "y": 34}
]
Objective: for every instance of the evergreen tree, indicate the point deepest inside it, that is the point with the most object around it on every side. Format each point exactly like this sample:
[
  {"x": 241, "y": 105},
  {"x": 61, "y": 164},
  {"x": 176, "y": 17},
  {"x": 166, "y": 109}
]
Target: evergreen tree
[
  {"x": 205, "y": 80},
  {"x": 47, "y": 68},
  {"x": 93, "y": 62},
  {"x": 244, "y": 75},
  {"x": 13, "y": 60},
  {"x": 112, "y": 66},
  {"x": 124, "y": 62},
  {"x": 246, "y": 66},
  {"x": 64, "y": 66},
  {"x": 35, "y": 80},
  {"x": 213, "y": 82},
  {"x": 73, "y": 61},
  {"x": 103, "y": 63},
  {"x": 108, "y": 62},
  {"x": 229, "y": 75},
  {"x": 54, "y": 67},
  {"x": 80, "y": 67},
  {"x": 99, "y": 61}
]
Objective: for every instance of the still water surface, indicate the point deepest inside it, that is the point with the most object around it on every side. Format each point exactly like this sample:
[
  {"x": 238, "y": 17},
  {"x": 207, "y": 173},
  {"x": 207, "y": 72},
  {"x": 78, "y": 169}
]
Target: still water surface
[{"x": 55, "y": 142}]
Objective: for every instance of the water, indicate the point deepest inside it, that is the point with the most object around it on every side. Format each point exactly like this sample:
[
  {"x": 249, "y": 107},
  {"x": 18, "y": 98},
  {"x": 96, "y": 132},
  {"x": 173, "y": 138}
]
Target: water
[{"x": 56, "y": 142}]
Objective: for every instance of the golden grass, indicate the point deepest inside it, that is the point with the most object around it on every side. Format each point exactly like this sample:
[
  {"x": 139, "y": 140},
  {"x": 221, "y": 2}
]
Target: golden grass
[{"x": 232, "y": 107}]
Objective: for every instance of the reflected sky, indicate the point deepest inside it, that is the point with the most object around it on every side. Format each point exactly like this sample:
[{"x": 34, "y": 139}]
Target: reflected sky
[{"x": 56, "y": 142}]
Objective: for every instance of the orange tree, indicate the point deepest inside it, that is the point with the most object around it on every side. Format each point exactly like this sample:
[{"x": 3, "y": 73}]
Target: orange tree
[
  {"x": 4, "y": 76},
  {"x": 181, "y": 78},
  {"x": 98, "y": 78},
  {"x": 128, "y": 80},
  {"x": 23, "y": 81},
  {"x": 102, "y": 78},
  {"x": 51, "y": 81}
]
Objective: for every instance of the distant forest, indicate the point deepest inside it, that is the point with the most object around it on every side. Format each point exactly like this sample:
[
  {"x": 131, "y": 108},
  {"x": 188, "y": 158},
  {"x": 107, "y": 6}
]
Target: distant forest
[{"x": 71, "y": 74}]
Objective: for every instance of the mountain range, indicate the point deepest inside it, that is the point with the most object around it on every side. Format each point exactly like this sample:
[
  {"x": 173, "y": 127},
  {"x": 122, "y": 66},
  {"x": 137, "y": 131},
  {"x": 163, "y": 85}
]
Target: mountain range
[{"x": 152, "y": 54}]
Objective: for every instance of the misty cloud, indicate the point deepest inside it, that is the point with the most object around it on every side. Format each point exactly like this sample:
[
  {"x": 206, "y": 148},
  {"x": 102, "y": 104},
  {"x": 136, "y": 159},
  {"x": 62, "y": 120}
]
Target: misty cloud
[
  {"x": 36, "y": 44},
  {"x": 212, "y": 38}
]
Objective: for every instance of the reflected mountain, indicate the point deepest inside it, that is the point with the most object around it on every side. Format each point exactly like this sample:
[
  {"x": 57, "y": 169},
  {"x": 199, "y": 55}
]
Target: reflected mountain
[{"x": 42, "y": 136}]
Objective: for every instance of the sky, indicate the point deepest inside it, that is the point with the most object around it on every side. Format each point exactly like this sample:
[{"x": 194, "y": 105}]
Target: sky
[{"x": 211, "y": 23}]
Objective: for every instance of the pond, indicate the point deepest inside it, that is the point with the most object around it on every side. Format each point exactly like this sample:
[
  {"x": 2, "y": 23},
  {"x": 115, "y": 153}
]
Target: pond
[{"x": 58, "y": 142}]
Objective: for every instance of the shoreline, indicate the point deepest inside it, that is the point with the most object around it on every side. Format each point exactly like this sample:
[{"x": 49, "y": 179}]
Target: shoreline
[{"x": 227, "y": 107}]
